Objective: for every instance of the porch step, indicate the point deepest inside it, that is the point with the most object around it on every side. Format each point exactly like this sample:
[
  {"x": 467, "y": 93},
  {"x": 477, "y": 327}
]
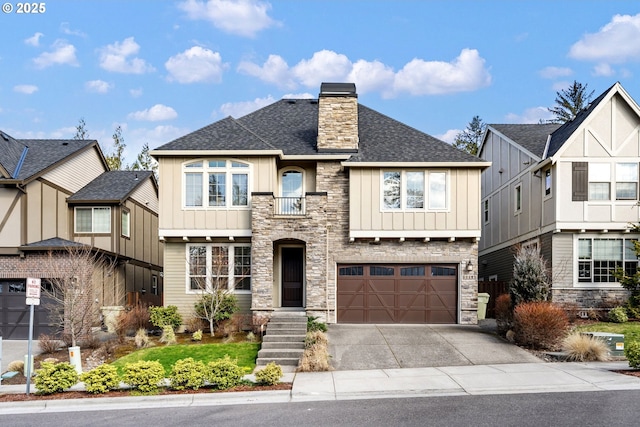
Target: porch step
[{"x": 283, "y": 342}]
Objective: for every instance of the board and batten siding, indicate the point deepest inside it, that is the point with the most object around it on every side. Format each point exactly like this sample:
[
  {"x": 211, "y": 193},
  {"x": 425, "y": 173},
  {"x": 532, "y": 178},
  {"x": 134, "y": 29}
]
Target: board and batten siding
[
  {"x": 10, "y": 217},
  {"x": 173, "y": 216},
  {"x": 78, "y": 171},
  {"x": 175, "y": 282},
  {"x": 145, "y": 194},
  {"x": 47, "y": 213},
  {"x": 366, "y": 214}
]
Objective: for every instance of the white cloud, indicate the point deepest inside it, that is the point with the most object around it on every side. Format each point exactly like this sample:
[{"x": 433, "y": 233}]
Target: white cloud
[
  {"x": 275, "y": 71},
  {"x": 555, "y": 72},
  {"x": 615, "y": 42},
  {"x": 530, "y": 115},
  {"x": 604, "y": 70},
  {"x": 64, "y": 27},
  {"x": 156, "y": 113},
  {"x": 117, "y": 57},
  {"x": 241, "y": 17},
  {"x": 62, "y": 53},
  {"x": 196, "y": 65},
  {"x": 449, "y": 136},
  {"x": 305, "y": 95},
  {"x": 324, "y": 66},
  {"x": 34, "y": 40},
  {"x": 98, "y": 86},
  {"x": 136, "y": 93},
  {"x": 466, "y": 73},
  {"x": 25, "y": 89},
  {"x": 239, "y": 109}
]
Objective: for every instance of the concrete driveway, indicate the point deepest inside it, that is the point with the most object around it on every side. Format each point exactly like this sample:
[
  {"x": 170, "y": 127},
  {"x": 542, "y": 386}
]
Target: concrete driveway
[{"x": 354, "y": 347}]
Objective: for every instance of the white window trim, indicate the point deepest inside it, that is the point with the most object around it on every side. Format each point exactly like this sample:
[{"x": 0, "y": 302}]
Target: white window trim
[
  {"x": 209, "y": 268},
  {"x": 486, "y": 211},
  {"x": 425, "y": 191},
  {"x": 128, "y": 215},
  {"x": 517, "y": 209},
  {"x": 575, "y": 261},
  {"x": 205, "y": 170},
  {"x": 75, "y": 216},
  {"x": 544, "y": 183},
  {"x": 493, "y": 278},
  {"x": 291, "y": 169}
]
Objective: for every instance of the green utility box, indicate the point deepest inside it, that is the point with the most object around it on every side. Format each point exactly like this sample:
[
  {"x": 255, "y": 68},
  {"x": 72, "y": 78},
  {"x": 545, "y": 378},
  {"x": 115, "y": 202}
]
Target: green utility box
[
  {"x": 483, "y": 300},
  {"x": 614, "y": 341}
]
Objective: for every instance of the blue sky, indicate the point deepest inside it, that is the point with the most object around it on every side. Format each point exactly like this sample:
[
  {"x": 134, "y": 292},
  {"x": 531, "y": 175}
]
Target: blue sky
[{"x": 161, "y": 69}]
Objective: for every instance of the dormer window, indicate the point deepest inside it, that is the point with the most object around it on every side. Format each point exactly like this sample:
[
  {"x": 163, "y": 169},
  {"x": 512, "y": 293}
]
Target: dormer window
[
  {"x": 93, "y": 220},
  {"x": 216, "y": 184}
]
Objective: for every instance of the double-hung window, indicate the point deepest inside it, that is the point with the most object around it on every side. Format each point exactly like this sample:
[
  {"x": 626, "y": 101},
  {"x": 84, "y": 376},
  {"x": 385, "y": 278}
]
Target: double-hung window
[
  {"x": 218, "y": 266},
  {"x": 598, "y": 258},
  {"x": 93, "y": 220},
  {"x": 600, "y": 181},
  {"x": 626, "y": 181},
  {"x": 216, "y": 184}
]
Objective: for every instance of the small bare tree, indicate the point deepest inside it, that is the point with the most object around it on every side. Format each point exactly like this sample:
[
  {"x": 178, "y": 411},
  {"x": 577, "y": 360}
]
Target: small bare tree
[
  {"x": 217, "y": 301},
  {"x": 80, "y": 280}
]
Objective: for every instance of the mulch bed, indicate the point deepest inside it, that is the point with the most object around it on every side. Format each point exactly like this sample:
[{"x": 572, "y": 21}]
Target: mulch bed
[{"x": 22, "y": 397}]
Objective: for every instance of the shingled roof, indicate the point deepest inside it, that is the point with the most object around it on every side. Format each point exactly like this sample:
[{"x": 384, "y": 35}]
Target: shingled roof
[
  {"x": 110, "y": 187},
  {"x": 26, "y": 158},
  {"x": 532, "y": 137},
  {"x": 291, "y": 126}
]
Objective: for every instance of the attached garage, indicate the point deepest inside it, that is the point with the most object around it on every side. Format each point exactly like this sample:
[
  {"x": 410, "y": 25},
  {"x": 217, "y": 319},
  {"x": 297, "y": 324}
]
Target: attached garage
[
  {"x": 15, "y": 313},
  {"x": 397, "y": 293}
]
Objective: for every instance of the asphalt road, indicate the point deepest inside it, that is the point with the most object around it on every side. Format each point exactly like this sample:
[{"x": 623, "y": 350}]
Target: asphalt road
[{"x": 605, "y": 408}]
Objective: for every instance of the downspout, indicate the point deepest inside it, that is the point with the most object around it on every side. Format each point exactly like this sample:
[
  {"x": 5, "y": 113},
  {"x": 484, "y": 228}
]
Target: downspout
[{"x": 326, "y": 276}]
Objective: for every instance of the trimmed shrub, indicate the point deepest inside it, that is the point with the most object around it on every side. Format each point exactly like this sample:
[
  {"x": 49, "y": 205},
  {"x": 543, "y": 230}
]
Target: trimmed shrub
[
  {"x": 55, "y": 377},
  {"x": 162, "y": 316},
  {"x": 617, "y": 315},
  {"x": 197, "y": 335},
  {"x": 101, "y": 379},
  {"x": 224, "y": 373},
  {"x": 48, "y": 344},
  {"x": 632, "y": 353},
  {"x": 531, "y": 280},
  {"x": 539, "y": 325},
  {"x": 187, "y": 373},
  {"x": 269, "y": 375},
  {"x": 168, "y": 335},
  {"x": 504, "y": 313},
  {"x": 144, "y": 376},
  {"x": 585, "y": 348},
  {"x": 314, "y": 325}
]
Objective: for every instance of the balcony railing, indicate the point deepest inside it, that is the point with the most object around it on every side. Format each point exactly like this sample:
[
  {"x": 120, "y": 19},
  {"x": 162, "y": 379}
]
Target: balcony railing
[{"x": 290, "y": 206}]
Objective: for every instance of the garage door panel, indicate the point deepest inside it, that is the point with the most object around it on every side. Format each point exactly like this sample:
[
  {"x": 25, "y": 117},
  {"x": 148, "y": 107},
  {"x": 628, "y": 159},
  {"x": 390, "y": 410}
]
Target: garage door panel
[{"x": 398, "y": 294}]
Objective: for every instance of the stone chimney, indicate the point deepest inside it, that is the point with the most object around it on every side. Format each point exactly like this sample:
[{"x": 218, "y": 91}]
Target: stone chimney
[{"x": 337, "y": 117}]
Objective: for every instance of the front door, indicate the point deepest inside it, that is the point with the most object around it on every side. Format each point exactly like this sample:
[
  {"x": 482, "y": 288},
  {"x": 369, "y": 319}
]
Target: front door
[{"x": 292, "y": 276}]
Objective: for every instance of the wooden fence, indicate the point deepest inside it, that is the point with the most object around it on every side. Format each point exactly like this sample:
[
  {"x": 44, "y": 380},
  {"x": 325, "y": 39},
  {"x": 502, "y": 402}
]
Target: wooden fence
[{"x": 494, "y": 289}]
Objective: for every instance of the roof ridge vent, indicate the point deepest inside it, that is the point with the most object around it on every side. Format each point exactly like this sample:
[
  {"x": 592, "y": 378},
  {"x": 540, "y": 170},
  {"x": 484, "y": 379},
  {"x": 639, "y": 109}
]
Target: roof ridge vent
[
  {"x": 4, "y": 136},
  {"x": 291, "y": 101}
]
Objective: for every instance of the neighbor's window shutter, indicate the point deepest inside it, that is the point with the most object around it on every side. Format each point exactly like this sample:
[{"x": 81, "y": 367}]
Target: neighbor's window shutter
[{"x": 579, "y": 181}]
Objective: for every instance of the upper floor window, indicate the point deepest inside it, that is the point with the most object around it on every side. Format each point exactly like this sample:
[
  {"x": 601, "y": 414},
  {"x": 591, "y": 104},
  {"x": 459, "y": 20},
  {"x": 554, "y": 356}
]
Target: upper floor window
[
  {"x": 518, "y": 199},
  {"x": 93, "y": 220},
  {"x": 406, "y": 190},
  {"x": 547, "y": 182},
  {"x": 216, "y": 184},
  {"x": 219, "y": 266},
  {"x": 485, "y": 210},
  {"x": 600, "y": 181},
  {"x": 626, "y": 181},
  {"x": 126, "y": 223}
]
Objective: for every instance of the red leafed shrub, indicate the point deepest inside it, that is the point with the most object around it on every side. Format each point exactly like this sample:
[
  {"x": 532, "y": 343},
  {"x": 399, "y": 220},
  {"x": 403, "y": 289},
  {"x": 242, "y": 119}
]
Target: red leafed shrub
[
  {"x": 504, "y": 313},
  {"x": 540, "y": 324}
]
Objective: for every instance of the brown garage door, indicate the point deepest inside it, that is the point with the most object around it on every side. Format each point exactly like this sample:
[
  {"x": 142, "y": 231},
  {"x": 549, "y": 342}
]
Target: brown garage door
[{"x": 397, "y": 293}]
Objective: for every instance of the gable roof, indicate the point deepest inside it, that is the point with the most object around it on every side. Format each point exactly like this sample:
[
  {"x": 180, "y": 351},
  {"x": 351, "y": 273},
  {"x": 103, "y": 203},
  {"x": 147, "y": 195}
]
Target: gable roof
[
  {"x": 23, "y": 159},
  {"x": 290, "y": 127},
  {"x": 532, "y": 137},
  {"x": 110, "y": 187}
]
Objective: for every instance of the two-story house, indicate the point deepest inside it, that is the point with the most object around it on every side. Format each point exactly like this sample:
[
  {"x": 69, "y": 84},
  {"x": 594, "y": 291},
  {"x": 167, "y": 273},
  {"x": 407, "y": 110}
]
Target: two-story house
[
  {"x": 323, "y": 206},
  {"x": 570, "y": 189},
  {"x": 57, "y": 194}
]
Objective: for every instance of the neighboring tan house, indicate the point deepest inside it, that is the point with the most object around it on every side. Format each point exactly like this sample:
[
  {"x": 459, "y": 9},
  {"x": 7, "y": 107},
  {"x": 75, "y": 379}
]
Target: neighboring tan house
[
  {"x": 56, "y": 194},
  {"x": 572, "y": 190},
  {"x": 326, "y": 207}
]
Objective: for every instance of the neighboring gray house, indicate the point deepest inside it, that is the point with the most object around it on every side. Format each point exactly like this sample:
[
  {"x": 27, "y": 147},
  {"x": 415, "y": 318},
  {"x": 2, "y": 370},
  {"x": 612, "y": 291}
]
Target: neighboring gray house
[
  {"x": 322, "y": 206},
  {"x": 55, "y": 194},
  {"x": 572, "y": 191}
]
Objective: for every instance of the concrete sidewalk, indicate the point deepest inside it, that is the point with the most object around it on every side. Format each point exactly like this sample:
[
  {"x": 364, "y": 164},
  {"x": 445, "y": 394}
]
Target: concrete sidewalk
[{"x": 376, "y": 383}]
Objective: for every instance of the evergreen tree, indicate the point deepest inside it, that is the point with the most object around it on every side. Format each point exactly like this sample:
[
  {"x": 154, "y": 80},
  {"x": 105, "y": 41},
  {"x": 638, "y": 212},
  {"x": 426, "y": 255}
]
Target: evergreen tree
[
  {"x": 469, "y": 139},
  {"x": 145, "y": 161},
  {"x": 569, "y": 102},
  {"x": 115, "y": 160}
]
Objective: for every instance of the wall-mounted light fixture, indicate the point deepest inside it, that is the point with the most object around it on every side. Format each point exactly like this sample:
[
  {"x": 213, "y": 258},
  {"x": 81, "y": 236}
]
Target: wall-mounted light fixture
[{"x": 469, "y": 265}]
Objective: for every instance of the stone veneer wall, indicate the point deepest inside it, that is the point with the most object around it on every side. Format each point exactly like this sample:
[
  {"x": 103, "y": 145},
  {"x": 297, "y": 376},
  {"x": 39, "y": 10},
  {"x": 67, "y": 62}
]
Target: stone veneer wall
[
  {"x": 337, "y": 123},
  {"x": 590, "y": 298},
  {"x": 325, "y": 230}
]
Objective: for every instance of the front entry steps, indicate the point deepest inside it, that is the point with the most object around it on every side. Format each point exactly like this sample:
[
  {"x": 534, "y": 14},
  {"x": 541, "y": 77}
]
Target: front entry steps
[{"x": 283, "y": 342}]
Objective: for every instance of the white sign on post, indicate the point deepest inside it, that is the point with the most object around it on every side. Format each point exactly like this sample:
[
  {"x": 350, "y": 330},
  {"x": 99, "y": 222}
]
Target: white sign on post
[
  {"x": 33, "y": 288},
  {"x": 33, "y": 298}
]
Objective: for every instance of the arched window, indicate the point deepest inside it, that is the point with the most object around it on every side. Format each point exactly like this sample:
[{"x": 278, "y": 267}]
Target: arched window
[{"x": 291, "y": 191}]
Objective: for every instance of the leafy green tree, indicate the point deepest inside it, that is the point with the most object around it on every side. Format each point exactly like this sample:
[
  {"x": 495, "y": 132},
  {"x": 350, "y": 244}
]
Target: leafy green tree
[
  {"x": 115, "y": 159},
  {"x": 469, "y": 139},
  {"x": 569, "y": 102},
  {"x": 81, "y": 130}
]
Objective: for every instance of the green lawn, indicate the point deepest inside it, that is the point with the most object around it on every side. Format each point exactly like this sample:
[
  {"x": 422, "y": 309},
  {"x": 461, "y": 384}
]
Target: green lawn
[
  {"x": 630, "y": 330},
  {"x": 244, "y": 353}
]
